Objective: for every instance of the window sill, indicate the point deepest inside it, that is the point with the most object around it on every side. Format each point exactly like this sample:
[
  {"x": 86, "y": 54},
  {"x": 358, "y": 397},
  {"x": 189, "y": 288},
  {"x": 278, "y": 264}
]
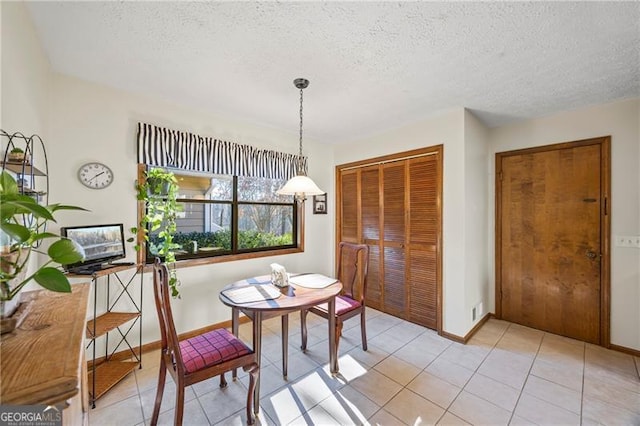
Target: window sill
[{"x": 187, "y": 263}]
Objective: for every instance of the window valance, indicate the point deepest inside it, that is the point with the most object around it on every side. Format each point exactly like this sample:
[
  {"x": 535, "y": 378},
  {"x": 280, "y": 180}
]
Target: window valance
[{"x": 162, "y": 147}]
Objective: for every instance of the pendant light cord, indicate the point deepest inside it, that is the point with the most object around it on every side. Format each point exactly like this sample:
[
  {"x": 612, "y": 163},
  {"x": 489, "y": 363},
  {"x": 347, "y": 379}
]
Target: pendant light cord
[{"x": 300, "y": 168}]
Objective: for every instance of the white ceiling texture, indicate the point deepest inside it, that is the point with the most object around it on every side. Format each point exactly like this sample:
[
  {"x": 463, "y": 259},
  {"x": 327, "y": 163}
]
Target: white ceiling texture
[{"x": 373, "y": 66}]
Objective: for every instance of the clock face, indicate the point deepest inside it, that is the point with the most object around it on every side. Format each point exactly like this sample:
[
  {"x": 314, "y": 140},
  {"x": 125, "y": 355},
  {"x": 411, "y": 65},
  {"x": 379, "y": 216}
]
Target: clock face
[{"x": 95, "y": 175}]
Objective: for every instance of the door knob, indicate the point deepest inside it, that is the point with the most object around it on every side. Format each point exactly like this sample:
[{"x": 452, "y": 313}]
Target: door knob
[{"x": 591, "y": 254}]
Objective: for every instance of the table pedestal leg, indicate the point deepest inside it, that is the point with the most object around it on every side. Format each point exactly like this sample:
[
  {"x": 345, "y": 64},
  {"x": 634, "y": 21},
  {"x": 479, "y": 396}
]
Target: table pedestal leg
[{"x": 285, "y": 344}]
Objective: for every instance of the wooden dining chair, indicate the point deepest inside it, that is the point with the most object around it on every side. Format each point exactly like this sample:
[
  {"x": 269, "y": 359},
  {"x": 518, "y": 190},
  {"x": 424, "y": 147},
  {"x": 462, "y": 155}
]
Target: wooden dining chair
[
  {"x": 198, "y": 358},
  {"x": 353, "y": 265}
]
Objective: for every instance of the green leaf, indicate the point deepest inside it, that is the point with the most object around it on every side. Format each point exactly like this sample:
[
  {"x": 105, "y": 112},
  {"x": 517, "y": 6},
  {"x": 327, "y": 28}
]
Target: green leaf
[
  {"x": 8, "y": 184},
  {"x": 24, "y": 205},
  {"x": 44, "y": 235},
  {"x": 52, "y": 279},
  {"x": 65, "y": 252},
  {"x": 17, "y": 232},
  {"x": 56, "y": 207}
]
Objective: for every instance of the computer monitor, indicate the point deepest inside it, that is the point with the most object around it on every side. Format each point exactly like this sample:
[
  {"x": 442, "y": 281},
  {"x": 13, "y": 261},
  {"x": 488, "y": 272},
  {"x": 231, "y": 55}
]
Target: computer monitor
[{"x": 102, "y": 244}]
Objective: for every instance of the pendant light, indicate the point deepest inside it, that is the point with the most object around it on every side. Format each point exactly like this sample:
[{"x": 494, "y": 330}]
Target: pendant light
[{"x": 301, "y": 185}]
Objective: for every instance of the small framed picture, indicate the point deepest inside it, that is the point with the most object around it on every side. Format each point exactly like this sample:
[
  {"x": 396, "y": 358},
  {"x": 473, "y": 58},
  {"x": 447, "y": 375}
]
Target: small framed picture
[{"x": 320, "y": 204}]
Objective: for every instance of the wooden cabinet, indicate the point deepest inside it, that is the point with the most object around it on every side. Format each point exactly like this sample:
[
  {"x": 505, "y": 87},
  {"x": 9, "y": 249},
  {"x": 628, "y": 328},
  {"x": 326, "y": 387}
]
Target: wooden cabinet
[
  {"x": 43, "y": 360},
  {"x": 393, "y": 204}
]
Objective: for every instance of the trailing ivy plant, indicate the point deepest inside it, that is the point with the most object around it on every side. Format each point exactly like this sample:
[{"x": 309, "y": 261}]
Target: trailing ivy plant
[{"x": 159, "y": 192}]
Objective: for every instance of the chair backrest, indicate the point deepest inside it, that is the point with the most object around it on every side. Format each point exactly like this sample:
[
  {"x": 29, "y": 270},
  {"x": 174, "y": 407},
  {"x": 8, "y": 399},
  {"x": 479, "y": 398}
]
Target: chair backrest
[
  {"x": 353, "y": 266},
  {"x": 169, "y": 337}
]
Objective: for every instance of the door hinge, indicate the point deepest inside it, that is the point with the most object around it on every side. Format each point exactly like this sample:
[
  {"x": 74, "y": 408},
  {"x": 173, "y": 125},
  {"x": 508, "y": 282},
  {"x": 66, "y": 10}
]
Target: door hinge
[
  {"x": 606, "y": 206},
  {"x": 500, "y": 175}
]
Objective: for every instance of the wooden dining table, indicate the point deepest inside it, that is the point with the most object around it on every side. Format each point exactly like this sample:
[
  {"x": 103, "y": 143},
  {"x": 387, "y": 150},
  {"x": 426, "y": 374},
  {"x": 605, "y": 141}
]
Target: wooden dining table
[{"x": 290, "y": 299}]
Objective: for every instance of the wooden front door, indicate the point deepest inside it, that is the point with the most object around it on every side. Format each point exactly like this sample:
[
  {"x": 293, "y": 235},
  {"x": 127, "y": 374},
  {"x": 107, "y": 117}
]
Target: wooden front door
[{"x": 552, "y": 238}]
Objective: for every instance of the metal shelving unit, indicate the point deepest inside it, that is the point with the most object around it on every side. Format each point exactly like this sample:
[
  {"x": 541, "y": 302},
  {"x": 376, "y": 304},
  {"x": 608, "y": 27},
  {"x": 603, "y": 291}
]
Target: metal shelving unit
[{"x": 107, "y": 371}]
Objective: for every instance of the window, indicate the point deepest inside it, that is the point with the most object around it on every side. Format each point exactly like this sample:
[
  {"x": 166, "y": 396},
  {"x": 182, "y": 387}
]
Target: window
[{"x": 231, "y": 216}]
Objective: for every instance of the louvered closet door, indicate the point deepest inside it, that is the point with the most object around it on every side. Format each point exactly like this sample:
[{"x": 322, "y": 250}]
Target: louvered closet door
[
  {"x": 370, "y": 208},
  {"x": 393, "y": 206},
  {"x": 393, "y": 239},
  {"x": 422, "y": 240},
  {"x": 349, "y": 207}
]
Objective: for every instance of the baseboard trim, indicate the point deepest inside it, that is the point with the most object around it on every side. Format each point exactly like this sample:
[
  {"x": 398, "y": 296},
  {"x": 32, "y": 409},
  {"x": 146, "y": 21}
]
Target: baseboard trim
[
  {"x": 625, "y": 350},
  {"x": 469, "y": 335},
  {"x": 125, "y": 355}
]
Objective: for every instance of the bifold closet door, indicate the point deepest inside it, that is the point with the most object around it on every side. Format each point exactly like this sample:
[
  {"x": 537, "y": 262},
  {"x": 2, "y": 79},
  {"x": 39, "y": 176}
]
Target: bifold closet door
[{"x": 394, "y": 208}]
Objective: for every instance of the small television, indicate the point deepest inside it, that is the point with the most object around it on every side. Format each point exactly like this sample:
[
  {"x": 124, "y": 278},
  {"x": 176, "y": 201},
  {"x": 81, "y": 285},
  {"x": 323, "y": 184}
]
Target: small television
[{"x": 102, "y": 245}]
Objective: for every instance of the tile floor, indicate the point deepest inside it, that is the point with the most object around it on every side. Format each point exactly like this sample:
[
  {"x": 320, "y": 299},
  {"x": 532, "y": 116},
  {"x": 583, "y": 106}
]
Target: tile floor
[{"x": 506, "y": 374}]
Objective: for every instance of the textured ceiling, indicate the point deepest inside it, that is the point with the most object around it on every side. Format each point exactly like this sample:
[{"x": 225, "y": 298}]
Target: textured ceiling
[{"x": 372, "y": 66}]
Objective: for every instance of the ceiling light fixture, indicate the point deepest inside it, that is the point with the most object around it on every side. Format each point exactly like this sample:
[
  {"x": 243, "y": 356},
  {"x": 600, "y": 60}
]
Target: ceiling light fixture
[{"x": 301, "y": 185}]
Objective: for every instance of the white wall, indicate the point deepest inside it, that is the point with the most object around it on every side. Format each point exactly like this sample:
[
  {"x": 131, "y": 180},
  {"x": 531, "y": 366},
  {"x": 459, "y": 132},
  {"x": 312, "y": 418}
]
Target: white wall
[
  {"x": 477, "y": 287},
  {"x": 25, "y": 73},
  {"x": 447, "y": 129},
  {"x": 621, "y": 120}
]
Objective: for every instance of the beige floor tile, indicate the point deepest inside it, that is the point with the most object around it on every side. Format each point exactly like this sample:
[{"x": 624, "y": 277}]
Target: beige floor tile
[
  {"x": 377, "y": 387},
  {"x": 412, "y": 409},
  {"x": 388, "y": 341},
  {"x": 610, "y": 359},
  {"x": 612, "y": 377},
  {"x": 488, "y": 337},
  {"x": 504, "y": 370},
  {"x": 370, "y": 357},
  {"x": 414, "y": 353},
  {"x": 478, "y": 411},
  {"x": 315, "y": 416},
  {"x": 434, "y": 389},
  {"x": 567, "y": 376},
  {"x": 453, "y": 373},
  {"x": 468, "y": 356},
  {"x": 348, "y": 406},
  {"x": 554, "y": 393},
  {"x": 449, "y": 419},
  {"x": 222, "y": 403},
  {"x": 193, "y": 414},
  {"x": 518, "y": 346},
  {"x": 397, "y": 370},
  {"x": 315, "y": 387},
  {"x": 148, "y": 398},
  {"x": 519, "y": 421},
  {"x": 240, "y": 419},
  {"x": 282, "y": 406},
  {"x": 538, "y": 411},
  {"x": 147, "y": 378},
  {"x": 595, "y": 411},
  {"x": 499, "y": 394},
  {"x": 429, "y": 341},
  {"x": 384, "y": 418},
  {"x": 124, "y": 413},
  {"x": 611, "y": 394}
]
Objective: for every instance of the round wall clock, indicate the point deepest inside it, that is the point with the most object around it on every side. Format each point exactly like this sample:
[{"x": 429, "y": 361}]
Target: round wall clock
[{"x": 95, "y": 175}]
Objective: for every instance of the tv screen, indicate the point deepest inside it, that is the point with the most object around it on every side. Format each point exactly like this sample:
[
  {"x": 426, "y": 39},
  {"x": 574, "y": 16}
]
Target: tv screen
[{"x": 101, "y": 243}]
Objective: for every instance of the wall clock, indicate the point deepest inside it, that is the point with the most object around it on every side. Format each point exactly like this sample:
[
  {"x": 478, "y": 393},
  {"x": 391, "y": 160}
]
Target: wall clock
[{"x": 95, "y": 175}]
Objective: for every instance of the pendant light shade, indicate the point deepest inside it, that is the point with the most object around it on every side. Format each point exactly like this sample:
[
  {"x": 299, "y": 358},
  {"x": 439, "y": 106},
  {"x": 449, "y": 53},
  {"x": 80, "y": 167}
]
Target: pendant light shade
[{"x": 301, "y": 185}]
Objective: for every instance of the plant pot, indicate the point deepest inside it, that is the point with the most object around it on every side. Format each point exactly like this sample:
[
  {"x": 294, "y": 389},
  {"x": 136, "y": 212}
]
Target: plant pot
[
  {"x": 16, "y": 157},
  {"x": 7, "y": 261},
  {"x": 158, "y": 187}
]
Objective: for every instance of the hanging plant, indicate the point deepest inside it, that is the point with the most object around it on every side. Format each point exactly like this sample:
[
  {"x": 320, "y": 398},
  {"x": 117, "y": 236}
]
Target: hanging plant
[{"x": 159, "y": 192}]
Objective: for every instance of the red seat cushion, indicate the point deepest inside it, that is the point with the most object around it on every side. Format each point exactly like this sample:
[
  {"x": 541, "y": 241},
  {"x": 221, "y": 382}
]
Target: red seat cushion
[
  {"x": 343, "y": 304},
  {"x": 211, "y": 348}
]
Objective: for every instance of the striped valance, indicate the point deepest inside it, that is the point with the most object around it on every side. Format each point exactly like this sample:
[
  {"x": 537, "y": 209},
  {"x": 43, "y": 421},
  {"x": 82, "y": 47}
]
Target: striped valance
[{"x": 162, "y": 147}]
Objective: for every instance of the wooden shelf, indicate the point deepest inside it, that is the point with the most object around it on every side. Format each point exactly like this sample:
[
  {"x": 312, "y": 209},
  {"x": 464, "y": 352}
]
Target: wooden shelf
[
  {"x": 109, "y": 321},
  {"x": 103, "y": 272},
  {"x": 19, "y": 167},
  {"x": 108, "y": 374}
]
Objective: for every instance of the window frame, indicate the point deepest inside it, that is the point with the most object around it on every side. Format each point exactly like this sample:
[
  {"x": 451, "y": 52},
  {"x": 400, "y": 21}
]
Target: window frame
[{"x": 298, "y": 225}]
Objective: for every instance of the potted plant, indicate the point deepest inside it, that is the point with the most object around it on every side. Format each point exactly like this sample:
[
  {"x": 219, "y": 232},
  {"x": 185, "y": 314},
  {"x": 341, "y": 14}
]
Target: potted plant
[
  {"x": 159, "y": 192},
  {"x": 16, "y": 155},
  {"x": 23, "y": 224}
]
